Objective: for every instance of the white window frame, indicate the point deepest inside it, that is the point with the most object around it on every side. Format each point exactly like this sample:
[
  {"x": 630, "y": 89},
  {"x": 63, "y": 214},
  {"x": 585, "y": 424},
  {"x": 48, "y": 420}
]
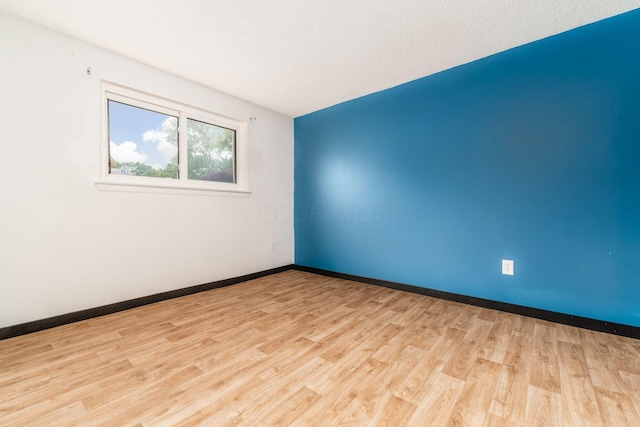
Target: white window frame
[{"x": 107, "y": 181}]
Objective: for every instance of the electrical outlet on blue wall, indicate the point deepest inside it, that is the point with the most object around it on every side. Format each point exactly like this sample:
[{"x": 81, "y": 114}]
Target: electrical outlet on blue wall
[{"x": 508, "y": 267}]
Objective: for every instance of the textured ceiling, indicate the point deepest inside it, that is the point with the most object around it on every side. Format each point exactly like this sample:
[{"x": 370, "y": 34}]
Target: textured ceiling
[{"x": 298, "y": 56}]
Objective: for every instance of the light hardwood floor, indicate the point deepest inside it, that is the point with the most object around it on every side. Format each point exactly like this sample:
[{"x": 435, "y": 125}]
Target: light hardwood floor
[{"x": 301, "y": 349}]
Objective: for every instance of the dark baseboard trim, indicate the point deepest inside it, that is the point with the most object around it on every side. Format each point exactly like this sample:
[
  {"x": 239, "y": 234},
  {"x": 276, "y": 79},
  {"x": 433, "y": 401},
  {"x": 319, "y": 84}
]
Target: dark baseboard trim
[
  {"x": 77, "y": 316},
  {"x": 551, "y": 316}
]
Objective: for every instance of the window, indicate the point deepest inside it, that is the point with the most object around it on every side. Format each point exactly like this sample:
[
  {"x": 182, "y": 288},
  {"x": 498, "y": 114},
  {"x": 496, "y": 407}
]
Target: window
[
  {"x": 210, "y": 152},
  {"x": 149, "y": 141}
]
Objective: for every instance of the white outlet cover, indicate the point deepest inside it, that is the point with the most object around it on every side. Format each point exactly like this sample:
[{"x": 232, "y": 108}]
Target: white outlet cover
[{"x": 508, "y": 267}]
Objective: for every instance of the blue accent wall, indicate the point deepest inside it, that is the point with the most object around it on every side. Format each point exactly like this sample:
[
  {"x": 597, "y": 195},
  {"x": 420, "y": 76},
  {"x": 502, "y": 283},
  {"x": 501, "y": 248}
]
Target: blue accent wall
[{"x": 532, "y": 154}]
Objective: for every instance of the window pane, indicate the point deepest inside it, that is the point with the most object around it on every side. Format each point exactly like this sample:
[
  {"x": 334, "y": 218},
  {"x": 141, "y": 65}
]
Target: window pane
[
  {"x": 210, "y": 151},
  {"x": 142, "y": 142}
]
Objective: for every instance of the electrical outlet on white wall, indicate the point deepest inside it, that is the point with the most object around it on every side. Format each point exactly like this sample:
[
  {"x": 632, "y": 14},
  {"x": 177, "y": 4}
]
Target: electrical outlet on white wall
[{"x": 508, "y": 267}]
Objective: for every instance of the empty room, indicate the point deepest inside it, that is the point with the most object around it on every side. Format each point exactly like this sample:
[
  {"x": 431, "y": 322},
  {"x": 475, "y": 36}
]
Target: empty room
[{"x": 320, "y": 213}]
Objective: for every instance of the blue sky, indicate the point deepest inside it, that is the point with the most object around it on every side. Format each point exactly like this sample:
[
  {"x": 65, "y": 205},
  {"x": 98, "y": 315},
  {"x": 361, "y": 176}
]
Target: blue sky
[{"x": 136, "y": 135}]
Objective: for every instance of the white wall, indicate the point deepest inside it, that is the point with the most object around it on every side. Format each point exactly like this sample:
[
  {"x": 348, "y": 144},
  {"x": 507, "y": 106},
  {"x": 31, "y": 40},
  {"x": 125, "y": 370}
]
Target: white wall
[{"x": 65, "y": 245}]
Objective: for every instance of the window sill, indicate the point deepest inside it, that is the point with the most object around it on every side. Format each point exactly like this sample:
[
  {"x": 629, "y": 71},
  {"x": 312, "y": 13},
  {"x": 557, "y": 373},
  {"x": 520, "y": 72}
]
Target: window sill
[{"x": 169, "y": 188}]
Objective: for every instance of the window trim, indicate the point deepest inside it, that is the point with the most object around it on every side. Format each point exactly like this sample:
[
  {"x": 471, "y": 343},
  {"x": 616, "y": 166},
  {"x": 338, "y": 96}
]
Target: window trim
[{"x": 135, "y": 98}]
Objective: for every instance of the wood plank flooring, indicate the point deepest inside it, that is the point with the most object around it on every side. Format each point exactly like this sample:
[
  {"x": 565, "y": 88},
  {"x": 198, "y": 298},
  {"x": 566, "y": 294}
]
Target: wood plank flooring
[{"x": 301, "y": 349}]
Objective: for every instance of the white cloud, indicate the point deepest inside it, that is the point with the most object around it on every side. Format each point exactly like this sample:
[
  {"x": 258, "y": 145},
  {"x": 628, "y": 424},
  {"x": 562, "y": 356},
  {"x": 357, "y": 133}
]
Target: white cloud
[
  {"x": 160, "y": 137},
  {"x": 126, "y": 152},
  {"x": 166, "y": 148},
  {"x": 154, "y": 135}
]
